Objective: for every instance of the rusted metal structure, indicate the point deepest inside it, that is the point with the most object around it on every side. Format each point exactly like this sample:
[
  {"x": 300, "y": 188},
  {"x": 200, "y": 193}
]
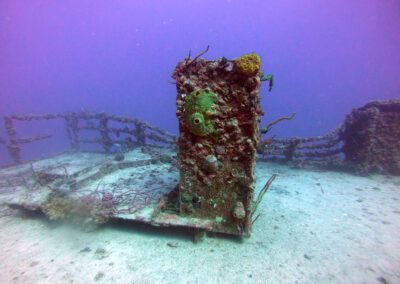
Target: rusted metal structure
[
  {"x": 320, "y": 151},
  {"x": 219, "y": 111},
  {"x": 371, "y": 138},
  {"x": 368, "y": 141},
  {"x": 137, "y": 131},
  {"x": 209, "y": 183},
  {"x": 216, "y": 158}
]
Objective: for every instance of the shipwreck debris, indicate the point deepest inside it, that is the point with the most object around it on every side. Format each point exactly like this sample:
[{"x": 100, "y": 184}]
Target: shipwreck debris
[{"x": 218, "y": 108}]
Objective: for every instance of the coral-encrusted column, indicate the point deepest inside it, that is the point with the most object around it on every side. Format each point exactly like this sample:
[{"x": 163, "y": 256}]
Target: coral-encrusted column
[
  {"x": 218, "y": 108},
  {"x": 371, "y": 138}
]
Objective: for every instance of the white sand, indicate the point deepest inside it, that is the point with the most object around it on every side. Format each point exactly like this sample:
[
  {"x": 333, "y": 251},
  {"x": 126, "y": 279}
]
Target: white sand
[{"x": 345, "y": 230}]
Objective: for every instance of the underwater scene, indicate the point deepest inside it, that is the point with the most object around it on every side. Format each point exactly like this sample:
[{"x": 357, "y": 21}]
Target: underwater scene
[{"x": 196, "y": 141}]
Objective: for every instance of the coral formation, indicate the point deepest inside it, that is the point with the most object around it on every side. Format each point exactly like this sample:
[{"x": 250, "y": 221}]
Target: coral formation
[
  {"x": 371, "y": 138},
  {"x": 217, "y": 155},
  {"x": 198, "y": 112},
  {"x": 248, "y": 64},
  {"x": 57, "y": 206},
  {"x": 87, "y": 211},
  {"x": 239, "y": 211}
]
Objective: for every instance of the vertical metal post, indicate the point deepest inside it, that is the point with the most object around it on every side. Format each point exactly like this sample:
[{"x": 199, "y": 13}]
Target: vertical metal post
[
  {"x": 106, "y": 141},
  {"x": 71, "y": 121},
  {"x": 13, "y": 148}
]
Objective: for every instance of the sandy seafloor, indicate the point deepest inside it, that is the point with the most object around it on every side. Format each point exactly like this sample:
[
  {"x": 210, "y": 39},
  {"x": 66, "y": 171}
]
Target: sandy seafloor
[{"x": 314, "y": 227}]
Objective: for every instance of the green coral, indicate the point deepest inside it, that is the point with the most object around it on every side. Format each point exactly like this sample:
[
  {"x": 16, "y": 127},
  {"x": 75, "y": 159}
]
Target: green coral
[{"x": 198, "y": 112}]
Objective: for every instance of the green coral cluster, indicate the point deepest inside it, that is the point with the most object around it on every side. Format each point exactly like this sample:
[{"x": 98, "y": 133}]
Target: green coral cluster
[{"x": 198, "y": 112}]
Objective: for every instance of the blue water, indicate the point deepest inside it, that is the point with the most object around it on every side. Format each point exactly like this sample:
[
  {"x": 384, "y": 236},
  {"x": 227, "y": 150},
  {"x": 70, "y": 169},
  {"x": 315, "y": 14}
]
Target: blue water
[{"x": 327, "y": 57}]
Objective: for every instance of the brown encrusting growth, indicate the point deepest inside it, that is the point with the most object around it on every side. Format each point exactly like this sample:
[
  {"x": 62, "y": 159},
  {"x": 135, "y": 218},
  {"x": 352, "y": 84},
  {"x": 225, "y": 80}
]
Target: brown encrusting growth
[
  {"x": 218, "y": 109},
  {"x": 372, "y": 137}
]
